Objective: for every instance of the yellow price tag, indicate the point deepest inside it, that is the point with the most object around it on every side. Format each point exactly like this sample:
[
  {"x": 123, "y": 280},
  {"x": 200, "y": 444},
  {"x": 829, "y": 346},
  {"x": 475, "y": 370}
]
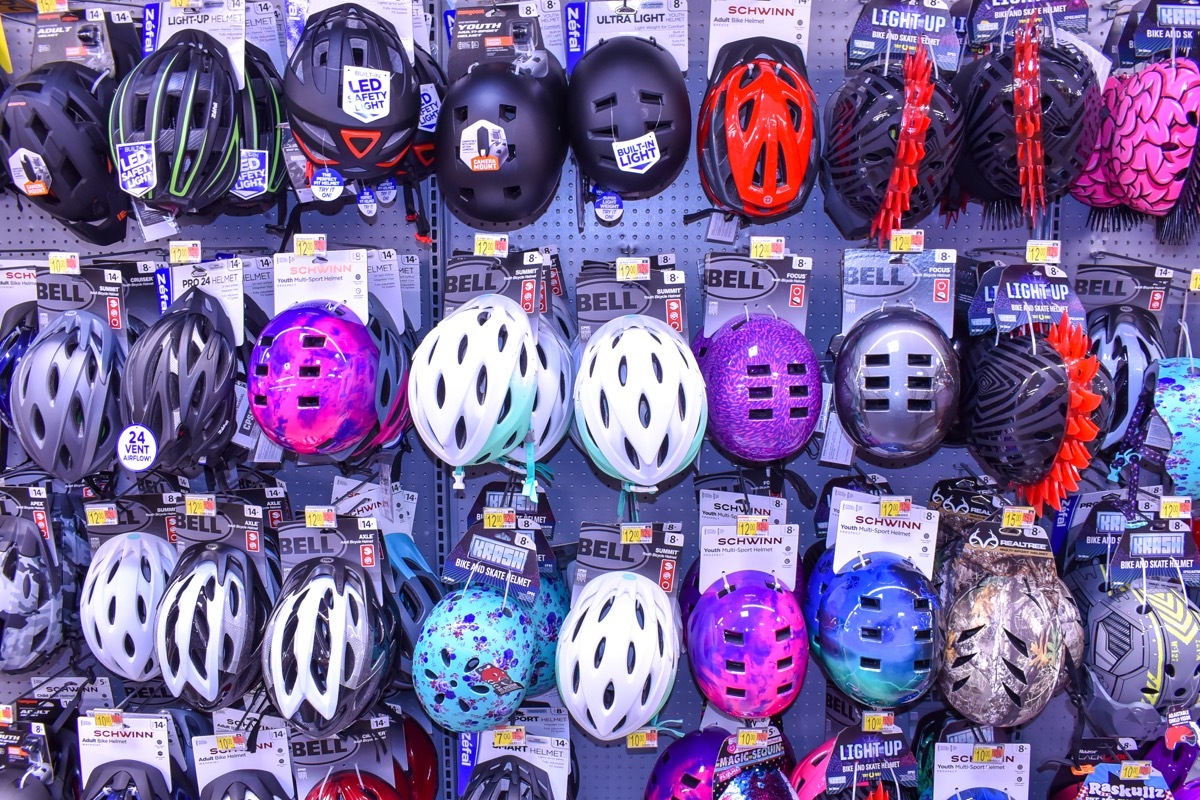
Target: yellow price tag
[
  {"x": 764, "y": 247},
  {"x": 184, "y": 252},
  {"x": 200, "y": 505},
  {"x": 633, "y": 269},
  {"x": 499, "y": 518},
  {"x": 50, "y": 6},
  {"x": 491, "y": 245},
  {"x": 1017, "y": 517},
  {"x": 64, "y": 263},
  {"x": 227, "y": 742},
  {"x": 8, "y": 714},
  {"x": 877, "y": 721},
  {"x": 1194, "y": 282},
  {"x": 894, "y": 506},
  {"x": 319, "y": 517},
  {"x": 1135, "y": 770},
  {"x": 1175, "y": 507},
  {"x": 751, "y": 737},
  {"x": 985, "y": 754},
  {"x": 309, "y": 244},
  {"x": 509, "y": 736},
  {"x": 1043, "y": 251},
  {"x": 636, "y": 534},
  {"x": 908, "y": 241},
  {"x": 645, "y": 739},
  {"x": 750, "y": 525},
  {"x": 100, "y": 515},
  {"x": 106, "y": 719}
]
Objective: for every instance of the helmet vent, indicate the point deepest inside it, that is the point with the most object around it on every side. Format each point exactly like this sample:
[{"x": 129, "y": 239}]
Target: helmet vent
[
  {"x": 507, "y": 113},
  {"x": 312, "y": 341},
  {"x": 871, "y": 664},
  {"x": 877, "y": 382},
  {"x": 760, "y": 413},
  {"x": 800, "y": 390},
  {"x": 310, "y": 372},
  {"x": 870, "y": 603},
  {"x": 922, "y": 665},
  {"x": 308, "y": 401},
  {"x": 872, "y": 634},
  {"x": 1016, "y": 671},
  {"x": 1017, "y": 643},
  {"x": 761, "y": 392},
  {"x": 923, "y": 635},
  {"x": 920, "y": 406},
  {"x": 758, "y": 370},
  {"x": 735, "y": 638},
  {"x": 920, "y": 382},
  {"x": 876, "y": 404},
  {"x": 606, "y": 103},
  {"x": 797, "y": 369},
  {"x": 920, "y": 359},
  {"x": 877, "y": 359}
]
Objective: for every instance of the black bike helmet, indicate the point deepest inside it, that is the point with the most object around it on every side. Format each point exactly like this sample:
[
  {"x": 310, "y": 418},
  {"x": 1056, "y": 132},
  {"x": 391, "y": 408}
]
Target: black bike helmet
[
  {"x": 623, "y": 90},
  {"x": 184, "y": 99},
  {"x": 127, "y": 780},
  {"x": 59, "y": 112},
  {"x": 508, "y": 778},
  {"x": 261, "y": 113},
  {"x": 417, "y": 163},
  {"x": 179, "y": 381},
  {"x": 30, "y": 596},
  {"x": 245, "y": 784},
  {"x": 863, "y": 129},
  {"x": 344, "y": 36},
  {"x": 501, "y": 146},
  {"x": 18, "y": 329}
]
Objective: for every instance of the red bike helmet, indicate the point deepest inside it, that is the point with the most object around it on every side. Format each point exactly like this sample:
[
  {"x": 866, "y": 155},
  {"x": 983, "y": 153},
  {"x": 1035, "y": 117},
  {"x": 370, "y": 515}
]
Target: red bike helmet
[
  {"x": 759, "y": 142},
  {"x": 421, "y": 772},
  {"x": 353, "y": 784}
]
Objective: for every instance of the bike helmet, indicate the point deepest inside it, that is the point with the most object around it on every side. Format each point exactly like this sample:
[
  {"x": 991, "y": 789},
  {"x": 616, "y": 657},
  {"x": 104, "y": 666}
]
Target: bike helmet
[
  {"x": 1015, "y": 408},
  {"x": 17, "y": 331},
  {"x": 640, "y": 403},
  {"x": 261, "y": 115},
  {"x": 748, "y": 645},
  {"x": 474, "y": 382},
  {"x": 24, "y": 784},
  {"x": 183, "y": 99},
  {"x": 548, "y": 612},
  {"x": 245, "y": 784},
  {"x": 1004, "y": 652},
  {"x": 120, "y": 596},
  {"x": 617, "y": 654},
  {"x": 689, "y": 595},
  {"x": 630, "y": 119},
  {"x": 391, "y": 380},
  {"x": 313, "y": 379},
  {"x": 501, "y": 146},
  {"x": 417, "y": 163},
  {"x": 879, "y": 631},
  {"x": 1127, "y": 341},
  {"x": 1172, "y": 764},
  {"x": 417, "y": 591},
  {"x": 326, "y": 650},
  {"x": 819, "y": 576},
  {"x": 474, "y": 659},
  {"x": 1154, "y": 134},
  {"x": 59, "y": 113},
  {"x": 355, "y": 784},
  {"x": 360, "y": 143},
  {"x": 758, "y": 139},
  {"x": 552, "y": 404},
  {"x": 421, "y": 767},
  {"x": 210, "y": 625},
  {"x": 65, "y": 396},
  {"x": 179, "y": 382},
  {"x": 1096, "y": 185},
  {"x": 896, "y": 383},
  {"x": 508, "y": 778},
  {"x": 867, "y": 176},
  {"x": 808, "y": 778},
  {"x": 30, "y": 596},
  {"x": 127, "y": 780},
  {"x": 686, "y": 768},
  {"x": 764, "y": 388}
]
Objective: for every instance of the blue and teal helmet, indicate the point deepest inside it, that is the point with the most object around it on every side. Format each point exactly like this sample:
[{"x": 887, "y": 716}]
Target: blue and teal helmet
[
  {"x": 548, "y": 612},
  {"x": 417, "y": 592}
]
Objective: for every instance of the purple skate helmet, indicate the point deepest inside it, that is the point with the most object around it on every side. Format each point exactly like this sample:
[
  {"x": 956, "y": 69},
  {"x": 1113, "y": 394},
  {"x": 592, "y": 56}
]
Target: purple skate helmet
[
  {"x": 748, "y": 645},
  {"x": 312, "y": 379},
  {"x": 764, "y": 388},
  {"x": 684, "y": 771}
]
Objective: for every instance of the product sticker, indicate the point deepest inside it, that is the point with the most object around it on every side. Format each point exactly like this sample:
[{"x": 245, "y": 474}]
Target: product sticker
[
  {"x": 529, "y": 516},
  {"x": 252, "y": 175},
  {"x": 872, "y": 279},
  {"x": 890, "y": 29},
  {"x": 264, "y": 29},
  {"x": 727, "y": 549},
  {"x": 518, "y": 277},
  {"x": 662, "y": 21},
  {"x": 724, "y": 508},
  {"x": 873, "y": 756},
  {"x": 1165, "y": 548},
  {"x": 221, "y": 280},
  {"x": 504, "y": 558},
  {"x": 145, "y": 514},
  {"x": 366, "y": 93},
  {"x": 1001, "y": 19},
  {"x": 224, "y": 20},
  {"x": 137, "y": 172},
  {"x": 751, "y": 762},
  {"x": 431, "y": 104},
  {"x": 836, "y": 447},
  {"x": 18, "y": 283},
  {"x": 361, "y": 749},
  {"x": 91, "y": 694},
  {"x": 637, "y": 155},
  {"x": 483, "y": 147},
  {"x": 327, "y": 184},
  {"x": 1125, "y": 286},
  {"x": 862, "y": 529},
  {"x": 960, "y": 769},
  {"x": 108, "y": 736},
  {"x": 136, "y": 448},
  {"x": 355, "y": 498},
  {"x": 652, "y": 551},
  {"x": 608, "y": 207},
  {"x": 1124, "y": 779},
  {"x": 1013, "y": 296},
  {"x": 352, "y": 539},
  {"x": 601, "y": 296},
  {"x": 29, "y": 172},
  {"x": 837, "y": 495},
  {"x": 548, "y": 755},
  {"x": 386, "y": 191},
  {"x": 383, "y": 282},
  {"x": 731, "y": 22},
  {"x": 736, "y": 285},
  {"x": 226, "y": 752},
  {"x": 234, "y": 720},
  {"x": 367, "y": 205},
  {"x": 339, "y": 276},
  {"x": 153, "y": 223}
]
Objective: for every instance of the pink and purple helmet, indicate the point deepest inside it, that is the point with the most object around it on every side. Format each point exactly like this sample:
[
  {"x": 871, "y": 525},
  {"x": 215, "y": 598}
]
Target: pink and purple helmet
[
  {"x": 808, "y": 778},
  {"x": 689, "y": 595},
  {"x": 748, "y": 646},
  {"x": 312, "y": 379},
  {"x": 764, "y": 388},
  {"x": 684, "y": 771},
  {"x": 1154, "y": 134},
  {"x": 1096, "y": 186}
]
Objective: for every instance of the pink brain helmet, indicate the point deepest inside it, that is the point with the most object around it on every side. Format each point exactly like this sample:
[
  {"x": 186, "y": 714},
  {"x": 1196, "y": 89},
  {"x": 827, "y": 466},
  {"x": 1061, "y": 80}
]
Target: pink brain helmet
[
  {"x": 1096, "y": 186},
  {"x": 312, "y": 379},
  {"x": 748, "y": 645},
  {"x": 1154, "y": 134},
  {"x": 808, "y": 778}
]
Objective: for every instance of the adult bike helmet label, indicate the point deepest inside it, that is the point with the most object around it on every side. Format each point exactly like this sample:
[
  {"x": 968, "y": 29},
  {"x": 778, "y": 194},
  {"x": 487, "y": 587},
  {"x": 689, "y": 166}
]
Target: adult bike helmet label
[
  {"x": 367, "y": 93},
  {"x": 137, "y": 173}
]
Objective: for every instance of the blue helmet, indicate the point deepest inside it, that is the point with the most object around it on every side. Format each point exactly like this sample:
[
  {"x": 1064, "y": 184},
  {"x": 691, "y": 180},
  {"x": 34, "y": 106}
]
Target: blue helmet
[
  {"x": 819, "y": 577},
  {"x": 19, "y": 329},
  {"x": 548, "y": 612},
  {"x": 879, "y": 632},
  {"x": 418, "y": 590}
]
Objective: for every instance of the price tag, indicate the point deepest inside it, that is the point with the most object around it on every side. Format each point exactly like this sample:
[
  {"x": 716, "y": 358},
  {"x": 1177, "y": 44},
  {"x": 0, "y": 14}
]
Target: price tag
[
  {"x": 645, "y": 739},
  {"x": 491, "y": 244},
  {"x": 52, "y": 6},
  {"x": 1194, "y": 281},
  {"x": 64, "y": 263},
  {"x": 230, "y": 741},
  {"x": 1175, "y": 507},
  {"x": 764, "y": 247},
  {"x": 987, "y": 753},
  {"x": 636, "y": 534},
  {"x": 105, "y": 718},
  {"x": 499, "y": 518},
  {"x": 309, "y": 244},
  {"x": 894, "y": 506},
  {"x": 1043, "y": 251},
  {"x": 751, "y": 525},
  {"x": 1135, "y": 770},
  {"x": 508, "y": 736},
  {"x": 908, "y": 241},
  {"x": 1018, "y": 517},
  {"x": 184, "y": 252},
  {"x": 633, "y": 269},
  {"x": 200, "y": 505},
  {"x": 877, "y": 721},
  {"x": 101, "y": 515},
  {"x": 319, "y": 517}
]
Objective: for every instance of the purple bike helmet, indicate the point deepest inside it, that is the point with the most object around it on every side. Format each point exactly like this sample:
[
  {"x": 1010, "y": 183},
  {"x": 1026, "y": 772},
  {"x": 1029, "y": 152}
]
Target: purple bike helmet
[
  {"x": 749, "y": 646},
  {"x": 312, "y": 379},
  {"x": 1189, "y": 791},
  {"x": 1173, "y": 764},
  {"x": 684, "y": 771},
  {"x": 764, "y": 388},
  {"x": 689, "y": 595}
]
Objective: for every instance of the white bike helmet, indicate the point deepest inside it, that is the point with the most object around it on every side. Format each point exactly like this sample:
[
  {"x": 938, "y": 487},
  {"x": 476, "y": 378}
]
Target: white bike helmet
[
  {"x": 326, "y": 652},
  {"x": 552, "y": 405},
  {"x": 121, "y": 593},
  {"x": 640, "y": 403},
  {"x": 473, "y": 381},
  {"x": 618, "y": 650}
]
